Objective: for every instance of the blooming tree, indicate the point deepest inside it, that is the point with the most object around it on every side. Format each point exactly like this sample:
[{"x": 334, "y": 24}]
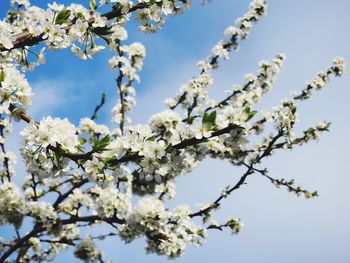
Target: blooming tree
[{"x": 79, "y": 177}]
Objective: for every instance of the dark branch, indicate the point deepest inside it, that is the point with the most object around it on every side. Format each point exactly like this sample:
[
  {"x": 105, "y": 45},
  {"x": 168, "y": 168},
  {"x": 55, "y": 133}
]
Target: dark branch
[{"x": 99, "y": 106}]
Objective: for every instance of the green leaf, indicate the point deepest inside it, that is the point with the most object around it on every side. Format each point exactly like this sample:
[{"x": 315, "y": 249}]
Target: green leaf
[
  {"x": 250, "y": 114},
  {"x": 100, "y": 145},
  {"x": 2, "y": 75},
  {"x": 209, "y": 118},
  {"x": 169, "y": 149},
  {"x": 62, "y": 16},
  {"x": 152, "y": 138},
  {"x": 212, "y": 117},
  {"x": 310, "y": 131},
  {"x": 205, "y": 118},
  {"x": 246, "y": 110},
  {"x": 58, "y": 155},
  {"x": 93, "y": 5}
]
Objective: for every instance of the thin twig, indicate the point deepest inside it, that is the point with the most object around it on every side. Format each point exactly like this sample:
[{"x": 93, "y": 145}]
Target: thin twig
[{"x": 99, "y": 106}]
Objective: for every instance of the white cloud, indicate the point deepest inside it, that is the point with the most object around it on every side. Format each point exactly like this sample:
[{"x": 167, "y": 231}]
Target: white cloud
[{"x": 47, "y": 97}]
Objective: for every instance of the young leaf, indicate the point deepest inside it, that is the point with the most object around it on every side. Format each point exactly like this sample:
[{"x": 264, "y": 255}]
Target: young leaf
[
  {"x": 152, "y": 138},
  {"x": 169, "y": 149},
  {"x": 62, "y": 16},
  {"x": 205, "y": 118},
  {"x": 93, "y": 5},
  {"x": 212, "y": 117},
  {"x": 2, "y": 75},
  {"x": 209, "y": 118},
  {"x": 246, "y": 110},
  {"x": 100, "y": 145},
  {"x": 250, "y": 114}
]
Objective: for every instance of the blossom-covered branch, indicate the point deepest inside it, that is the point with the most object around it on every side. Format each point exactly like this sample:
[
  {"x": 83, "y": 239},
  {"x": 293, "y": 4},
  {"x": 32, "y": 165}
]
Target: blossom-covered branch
[{"x": 85, "y": 175}]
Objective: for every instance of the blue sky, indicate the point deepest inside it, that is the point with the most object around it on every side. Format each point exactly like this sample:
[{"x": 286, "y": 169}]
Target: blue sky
[{"x": 279, "y": 227}]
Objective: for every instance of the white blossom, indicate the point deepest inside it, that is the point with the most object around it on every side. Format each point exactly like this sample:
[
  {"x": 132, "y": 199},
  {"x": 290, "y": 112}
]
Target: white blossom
[{"x": 12, "y": 205}]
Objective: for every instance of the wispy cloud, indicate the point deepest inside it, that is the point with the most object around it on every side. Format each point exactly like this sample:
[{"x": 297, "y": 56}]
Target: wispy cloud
[{"x": 48, "y": 97}]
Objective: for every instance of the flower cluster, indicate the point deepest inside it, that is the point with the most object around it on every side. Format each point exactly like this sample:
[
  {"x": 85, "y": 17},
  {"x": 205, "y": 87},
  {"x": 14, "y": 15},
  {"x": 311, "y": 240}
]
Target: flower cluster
[
  {"x": 86, "y": 250},
  {"x": 87, "y": 125},
  {"x": 14, "y": 88},
  {"x": 74, "y": 202},
  {"x": 109, "y": 202},
  {"x": 164, "y": 121},
  {"x": 43, "y": 212},
  {"x": 51, "y": 133},
  {"x": 194, "y": 94},
  {"x": 153, "y": 18},
  {"x": 129, "y": 61},
  {"x": 167, "y": 233},
  {"x": 321, "y": 79},
  {"x": 77, "y": 27},
  {"x": 12, "y": 206},
  {"x": 52, "y": 24},
  {"x": 14, "y": 92}
]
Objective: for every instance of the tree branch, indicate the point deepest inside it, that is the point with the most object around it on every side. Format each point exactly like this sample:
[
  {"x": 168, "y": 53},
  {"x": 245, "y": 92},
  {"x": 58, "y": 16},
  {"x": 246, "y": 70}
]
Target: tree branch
[
  {"x": 99, "y": 106},
  {"x": 38, "y": 228},
  {"x": 26, "y": 39},
  {"x": 250, "y": 170}
]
